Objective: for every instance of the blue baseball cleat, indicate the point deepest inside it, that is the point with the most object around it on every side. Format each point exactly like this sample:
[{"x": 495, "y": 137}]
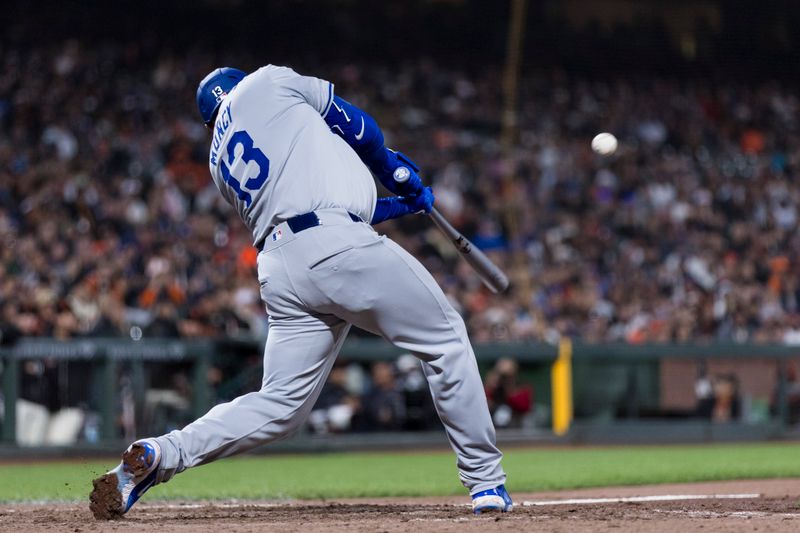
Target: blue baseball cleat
[
  {"x": 496, "y": 499},
  {"x": 117, "y": 490}
]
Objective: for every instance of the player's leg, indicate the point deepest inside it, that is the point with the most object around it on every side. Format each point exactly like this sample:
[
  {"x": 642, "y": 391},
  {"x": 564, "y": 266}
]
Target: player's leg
[
  {"x": 380, "y": 287},
  {"x": 299, "y": 354}
]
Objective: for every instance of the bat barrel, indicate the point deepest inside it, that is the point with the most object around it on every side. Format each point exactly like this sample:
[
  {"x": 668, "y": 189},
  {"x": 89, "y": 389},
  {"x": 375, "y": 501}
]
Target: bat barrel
[{"x": 490, "y": 274}]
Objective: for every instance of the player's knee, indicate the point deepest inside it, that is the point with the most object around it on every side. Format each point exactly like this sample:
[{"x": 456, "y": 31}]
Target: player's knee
[
  {"x": 293, "y": 407},
  {"x": 458, "y": 340},
  {"x": 449, "y": 349}
]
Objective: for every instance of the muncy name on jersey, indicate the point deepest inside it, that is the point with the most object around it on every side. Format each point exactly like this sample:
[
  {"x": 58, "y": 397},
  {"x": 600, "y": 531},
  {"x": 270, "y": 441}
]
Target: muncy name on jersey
[{"x": 221, "y": 126}]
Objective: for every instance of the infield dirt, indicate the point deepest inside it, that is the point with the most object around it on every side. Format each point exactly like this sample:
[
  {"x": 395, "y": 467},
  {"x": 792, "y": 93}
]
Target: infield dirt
[{"x": 777, "y": 509}]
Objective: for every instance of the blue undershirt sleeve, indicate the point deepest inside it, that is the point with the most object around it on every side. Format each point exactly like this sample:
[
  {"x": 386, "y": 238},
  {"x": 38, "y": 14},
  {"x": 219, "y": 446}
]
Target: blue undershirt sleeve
[{"x": 362, "y": 133}]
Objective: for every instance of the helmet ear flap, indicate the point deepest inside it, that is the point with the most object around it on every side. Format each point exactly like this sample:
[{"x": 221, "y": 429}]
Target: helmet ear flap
[{"x": 210, "y": 123}]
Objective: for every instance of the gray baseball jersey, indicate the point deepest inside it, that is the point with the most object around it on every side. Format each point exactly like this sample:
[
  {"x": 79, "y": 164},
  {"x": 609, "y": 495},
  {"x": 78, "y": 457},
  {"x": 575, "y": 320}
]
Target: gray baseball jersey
[{"x": 273, "y": 157}]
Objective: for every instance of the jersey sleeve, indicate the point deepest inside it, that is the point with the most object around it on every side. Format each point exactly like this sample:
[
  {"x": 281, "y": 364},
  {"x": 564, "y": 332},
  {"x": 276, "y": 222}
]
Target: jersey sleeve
[{"x": 316, "y": 92}]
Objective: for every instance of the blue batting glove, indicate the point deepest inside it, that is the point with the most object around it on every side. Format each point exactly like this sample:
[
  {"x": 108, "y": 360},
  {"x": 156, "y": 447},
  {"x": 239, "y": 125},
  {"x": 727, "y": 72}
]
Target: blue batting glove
[{"x": 422, "y": 202}]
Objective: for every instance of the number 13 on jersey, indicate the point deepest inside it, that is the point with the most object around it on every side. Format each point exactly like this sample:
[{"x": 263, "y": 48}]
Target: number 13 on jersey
[{"x": 242, "y": 157}]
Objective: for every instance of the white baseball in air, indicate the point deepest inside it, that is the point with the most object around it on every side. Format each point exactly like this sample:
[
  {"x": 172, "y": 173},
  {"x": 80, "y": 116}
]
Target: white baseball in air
[{"x": 604, "y": 143}]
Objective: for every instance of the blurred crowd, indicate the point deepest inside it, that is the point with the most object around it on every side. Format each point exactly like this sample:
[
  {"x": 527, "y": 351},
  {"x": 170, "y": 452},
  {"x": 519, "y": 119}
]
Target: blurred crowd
[
  {"x": 110, "y": 225},
  {"x": 388, "y": 396},
  {"x": 60, "y": 402}
]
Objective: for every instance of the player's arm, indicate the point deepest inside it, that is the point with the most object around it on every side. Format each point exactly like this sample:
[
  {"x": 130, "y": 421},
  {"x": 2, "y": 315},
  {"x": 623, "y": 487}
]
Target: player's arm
[{"x": 362, "y": 133}]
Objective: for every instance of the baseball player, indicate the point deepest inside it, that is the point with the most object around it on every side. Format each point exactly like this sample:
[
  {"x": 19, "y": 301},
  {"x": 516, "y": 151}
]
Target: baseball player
[{"x": 296, "y": 161}]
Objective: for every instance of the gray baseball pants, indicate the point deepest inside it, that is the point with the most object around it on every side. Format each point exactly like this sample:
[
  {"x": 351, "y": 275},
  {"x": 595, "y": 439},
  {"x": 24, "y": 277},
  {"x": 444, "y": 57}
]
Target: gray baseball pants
[{"x": 316, "y": 283}]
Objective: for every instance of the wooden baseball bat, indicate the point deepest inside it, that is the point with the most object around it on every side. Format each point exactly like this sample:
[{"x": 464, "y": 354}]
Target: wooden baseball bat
[{"x": 490, "y": 274}]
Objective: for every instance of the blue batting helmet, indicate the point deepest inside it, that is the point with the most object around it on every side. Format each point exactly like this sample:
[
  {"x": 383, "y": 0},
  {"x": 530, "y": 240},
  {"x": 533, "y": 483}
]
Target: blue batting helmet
[{"x": 217, "y": 84}]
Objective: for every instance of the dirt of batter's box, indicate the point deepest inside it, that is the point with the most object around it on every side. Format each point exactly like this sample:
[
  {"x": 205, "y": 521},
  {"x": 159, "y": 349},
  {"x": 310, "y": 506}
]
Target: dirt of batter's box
[{"x": 777, "y": 511}]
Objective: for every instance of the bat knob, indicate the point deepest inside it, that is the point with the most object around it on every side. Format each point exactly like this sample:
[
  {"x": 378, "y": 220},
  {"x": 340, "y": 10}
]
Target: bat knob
[{"x": 401, "y": 174}]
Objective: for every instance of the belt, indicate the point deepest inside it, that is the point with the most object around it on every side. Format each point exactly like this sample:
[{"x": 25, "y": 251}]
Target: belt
[{"x": 300, "y": 223}]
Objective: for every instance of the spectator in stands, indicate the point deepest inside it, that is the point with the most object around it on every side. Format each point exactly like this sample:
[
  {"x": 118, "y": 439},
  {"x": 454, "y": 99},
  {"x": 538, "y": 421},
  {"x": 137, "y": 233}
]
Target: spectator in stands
[
  {"x": 704, "y": 392},
  {"x": 792, "y": 392},
  {"x": 509, "y": 400},
  {"x": 718, "y": 397},
  {"x": 727, "y": 398},
  {"x": 384, "y": 403},
  {"x": 337, "y": 406},
  {"x": 420, "y": 413}
]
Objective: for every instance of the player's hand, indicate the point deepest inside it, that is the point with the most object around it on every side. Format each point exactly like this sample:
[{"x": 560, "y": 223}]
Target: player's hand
[{"x": 419, "y": 203}]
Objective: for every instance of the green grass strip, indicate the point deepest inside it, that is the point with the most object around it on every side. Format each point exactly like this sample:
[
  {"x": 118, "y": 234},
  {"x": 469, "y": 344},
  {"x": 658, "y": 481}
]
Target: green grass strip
[{"x": 416, "y": 474}]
